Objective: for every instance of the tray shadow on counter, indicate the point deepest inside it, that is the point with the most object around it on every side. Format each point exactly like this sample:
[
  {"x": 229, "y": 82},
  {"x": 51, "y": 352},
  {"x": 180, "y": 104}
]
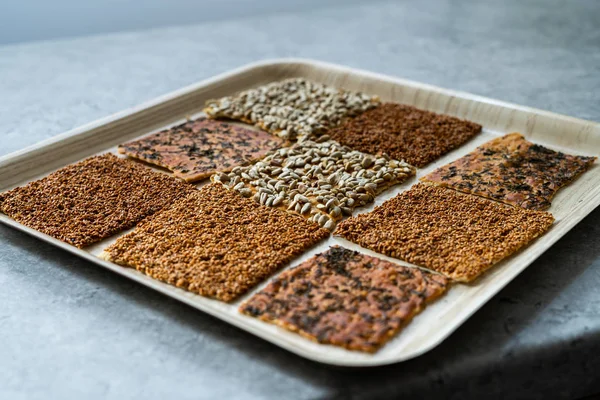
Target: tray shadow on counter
[{"x": 477, "y": 358}]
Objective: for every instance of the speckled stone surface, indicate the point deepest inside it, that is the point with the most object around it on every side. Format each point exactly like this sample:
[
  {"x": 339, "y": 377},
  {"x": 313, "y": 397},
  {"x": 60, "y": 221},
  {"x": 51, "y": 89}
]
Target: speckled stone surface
[{"x": 71, "y": 330}]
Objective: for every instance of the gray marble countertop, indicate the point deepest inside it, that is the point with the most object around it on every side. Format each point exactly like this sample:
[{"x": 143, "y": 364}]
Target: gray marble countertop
[{"x": 71, "y": 330}]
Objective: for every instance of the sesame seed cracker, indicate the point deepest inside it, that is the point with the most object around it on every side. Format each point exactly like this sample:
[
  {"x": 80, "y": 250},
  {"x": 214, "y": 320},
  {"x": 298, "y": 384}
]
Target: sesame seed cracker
[
  {"x": 215, "y": 243},
  {"x": 453, "y": 233}
]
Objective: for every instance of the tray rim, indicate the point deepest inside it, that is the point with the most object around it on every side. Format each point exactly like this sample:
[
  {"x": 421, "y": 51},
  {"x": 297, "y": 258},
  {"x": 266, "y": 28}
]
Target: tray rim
[{"x": 30, "y": 151}]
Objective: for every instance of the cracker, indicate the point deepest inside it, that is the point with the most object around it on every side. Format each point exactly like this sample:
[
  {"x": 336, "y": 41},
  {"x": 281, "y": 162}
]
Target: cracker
[
  {"x": 456, "y": 234},
  {"x": 512, "y": 170},
  {"x": 345, "y": 298},
  {"x": 215, "y": 243},
  {"x": 404, "y": 133},
  {"x": 293, "y": 108},
  {"x": 319, "y": 179},
  {"x": 197, "y": 149},
  {"x": 91, "y": 200}
]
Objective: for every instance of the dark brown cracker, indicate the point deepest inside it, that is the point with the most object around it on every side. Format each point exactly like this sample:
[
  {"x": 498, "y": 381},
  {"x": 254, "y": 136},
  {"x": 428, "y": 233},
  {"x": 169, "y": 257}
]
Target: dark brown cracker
[
  {"x": 196, "y": 149},
  {"x": 215, "y": 243},
  {"x": 456, "y": 234},
  {"x": 346, "y": 298},
  {"x": 89, "y": 201},
  {"x": 404, "y": 133},
  {"x": 512, "y": 170}
]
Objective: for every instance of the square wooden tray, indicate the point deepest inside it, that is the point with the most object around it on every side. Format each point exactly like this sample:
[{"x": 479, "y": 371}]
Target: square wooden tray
[{"x": 440, "y": 319}]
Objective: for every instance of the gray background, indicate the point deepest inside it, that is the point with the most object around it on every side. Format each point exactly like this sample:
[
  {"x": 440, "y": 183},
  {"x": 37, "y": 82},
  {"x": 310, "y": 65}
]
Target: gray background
[
  {"x": 71, "y": 330},
  {"x": 26, "y": 20}
]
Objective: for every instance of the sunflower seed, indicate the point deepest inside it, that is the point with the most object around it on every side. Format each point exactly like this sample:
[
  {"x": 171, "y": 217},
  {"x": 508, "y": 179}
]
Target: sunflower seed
[
  {"x": 245, "y": 192},
  {"x": 346, "y": 210},
  {"x": 277, "y": 201},
  {"x": 305, "y": 209},
  {"x": 335, "y": 212},
  {"x": 331, "y": 203},
  {"x": 329, "y": 225},
  {"x": 301, "y": 198},
  {"x": 367, "y": 162},
  {"x": 323, "y": 219},
  {"x": 365, "y": 197},
  {"x": 371, "y": 187}
]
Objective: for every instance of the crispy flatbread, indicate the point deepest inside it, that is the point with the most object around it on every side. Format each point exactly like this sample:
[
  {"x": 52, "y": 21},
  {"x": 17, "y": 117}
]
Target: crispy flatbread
[
  {"x": 345, "y": 298},
  {"x": 456, "y": 234},
  {"x": 91, "y": 200},
  {"x": 197, "y": 149},
  {"x": 512, "y": 170},
  {"x": 294, "y": 108},
  {"x": 404, "y": 133},
  {"x": 215, "y": 243},
  {"x": 332, "y": 178}
]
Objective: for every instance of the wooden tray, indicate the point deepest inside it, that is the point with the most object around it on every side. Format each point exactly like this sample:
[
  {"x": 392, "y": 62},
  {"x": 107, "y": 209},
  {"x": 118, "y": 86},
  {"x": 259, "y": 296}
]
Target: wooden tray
[{"x": 439, "y": 320}]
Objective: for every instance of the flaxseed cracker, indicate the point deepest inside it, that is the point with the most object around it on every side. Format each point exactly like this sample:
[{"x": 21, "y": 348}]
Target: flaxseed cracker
[
  {"x": 456, "y": 234},
  {"x": 404, "y": 133},
  {"x": 215, "y": 243},
  {"x": 91, "y": 200},
  {"x": 512, "y": 170},
  {"x": 345, "y": 298},
  {"x": 197, "y": 149}
]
